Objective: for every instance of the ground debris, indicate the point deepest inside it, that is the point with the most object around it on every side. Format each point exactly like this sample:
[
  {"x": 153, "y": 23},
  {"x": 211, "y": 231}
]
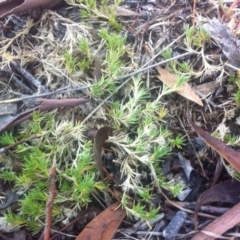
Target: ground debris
[
  {"x": 225, "y": 40},
  {"x": 104, "y": 225},
  {"x": 172, "y": 229}
]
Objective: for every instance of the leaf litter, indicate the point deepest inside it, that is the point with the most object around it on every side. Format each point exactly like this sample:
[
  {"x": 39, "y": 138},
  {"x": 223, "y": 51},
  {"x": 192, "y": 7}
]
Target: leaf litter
[
  {"x": 50, "y": 52},
  {"x": 184, "y": 90},
  {"x": 105, "y": 225}
]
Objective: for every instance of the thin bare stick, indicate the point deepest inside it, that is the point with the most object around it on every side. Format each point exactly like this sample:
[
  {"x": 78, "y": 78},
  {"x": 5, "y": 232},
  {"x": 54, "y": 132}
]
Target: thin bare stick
[
  {"x": 45, "y": 94},
  {"x": 120, "y": 78},
  {"x": 154, "y": 65},
  {"x": 4, "y": 149},
  {"x": 49, "y": 205},
  {"x": 232, "y": 67},
  {"x": 165, "y": 48},
  {"x": 130, "y": 75}
]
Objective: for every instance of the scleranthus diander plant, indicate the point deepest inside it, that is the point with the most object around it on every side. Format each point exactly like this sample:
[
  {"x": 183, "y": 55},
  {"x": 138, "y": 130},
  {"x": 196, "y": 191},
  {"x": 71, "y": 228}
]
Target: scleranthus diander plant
[{"x": 140, "y": 141}]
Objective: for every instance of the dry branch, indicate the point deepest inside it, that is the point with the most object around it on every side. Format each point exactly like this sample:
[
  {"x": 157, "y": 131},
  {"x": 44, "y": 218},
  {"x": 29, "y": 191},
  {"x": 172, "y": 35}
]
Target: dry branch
[{"x": 49, "y": 205}]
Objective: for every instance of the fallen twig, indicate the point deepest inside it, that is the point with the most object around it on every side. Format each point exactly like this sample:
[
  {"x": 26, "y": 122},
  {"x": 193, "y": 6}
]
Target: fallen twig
[
  {"x": 4, "y": 149},
  {"x": 50, "y": 104},
  {"x": 59, "y": 91},
  {"x": 49, "y": 205}
]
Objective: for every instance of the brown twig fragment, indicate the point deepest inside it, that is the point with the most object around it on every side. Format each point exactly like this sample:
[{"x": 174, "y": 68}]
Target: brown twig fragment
[
  {"x": 50, "y": 104},
  {"x": 4, "y": 149},
  {"x": 59, "y": 91},
  {"x": 49, "y": 205}
]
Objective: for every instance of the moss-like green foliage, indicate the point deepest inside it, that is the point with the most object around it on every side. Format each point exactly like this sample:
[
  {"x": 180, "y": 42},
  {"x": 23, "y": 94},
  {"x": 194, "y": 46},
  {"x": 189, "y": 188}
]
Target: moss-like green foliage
[{"x": 76, "y": 178}]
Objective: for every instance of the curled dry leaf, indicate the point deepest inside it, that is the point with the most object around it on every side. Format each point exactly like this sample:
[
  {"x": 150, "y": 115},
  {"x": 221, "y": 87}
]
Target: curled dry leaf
[
  {"x": 15, "y": 6},
  {"x": 105, "y": 225},
  {"x": 230, "y": 155},
  {"x": 100, "y": 138},
  {"x": 44, "y": 105},
  {"x": 185, "y": 90}
]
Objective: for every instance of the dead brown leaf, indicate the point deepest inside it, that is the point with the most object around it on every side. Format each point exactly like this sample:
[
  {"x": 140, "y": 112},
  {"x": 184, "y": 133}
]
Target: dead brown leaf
[
  {"x": 231, "y": 156},
  {"x": 50, "y": 104},
  {"x": 123, "y": 12},
  {"x": 15, "y": 6},
  {"x": 228, "y": 192},
  {"x": 45, "y": 105},
  {"x": 220, "y": 225},
  {"x": 185, "y": 90},
  {"x": 100, "y": 138},
  {"x": 208, "y": 88},
  {"x": 105, "y": 225}
]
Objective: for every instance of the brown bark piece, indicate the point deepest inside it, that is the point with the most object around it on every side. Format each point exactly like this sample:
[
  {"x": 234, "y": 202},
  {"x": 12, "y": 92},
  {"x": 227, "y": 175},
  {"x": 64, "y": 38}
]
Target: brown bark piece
[
  {"x": 225, "y": 40},
  {"x": 50, "y": 104}
]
